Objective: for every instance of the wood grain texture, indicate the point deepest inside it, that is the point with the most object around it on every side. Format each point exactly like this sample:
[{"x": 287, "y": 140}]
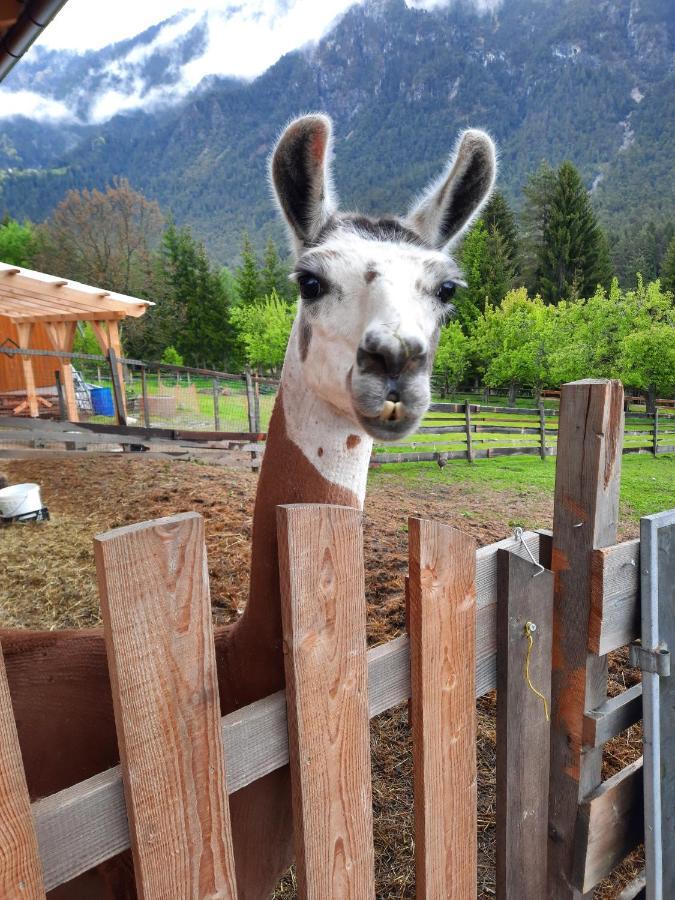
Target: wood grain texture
[
  {"x": 442, "y": 564},
  {"x": 324, "y": 622},
  {"x": 585, "y": 517},
  {"x": 526, "y": 595},
  {"x": 615, "y": 597},
  {"x": 86, "y": 824},
  {"x": 613, "y": 717},
  {"x": 20, "y": 869},
  {"x": 156, "y": 610},
  {"x": 610, "y": 826}
]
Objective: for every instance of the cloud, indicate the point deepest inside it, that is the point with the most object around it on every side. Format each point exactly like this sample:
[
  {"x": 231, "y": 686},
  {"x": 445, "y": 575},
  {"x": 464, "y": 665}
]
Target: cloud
[
  {"x": 33, "y": 106},
  {"x": 241, "y": 40}
]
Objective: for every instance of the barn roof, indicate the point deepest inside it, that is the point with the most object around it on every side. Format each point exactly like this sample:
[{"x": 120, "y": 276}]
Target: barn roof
[{"x": 27, "y": 296}]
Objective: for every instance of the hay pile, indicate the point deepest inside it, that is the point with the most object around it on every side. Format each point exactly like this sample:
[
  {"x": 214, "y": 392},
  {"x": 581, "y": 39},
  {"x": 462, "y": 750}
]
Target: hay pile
[{"x": 48, "y": 580}]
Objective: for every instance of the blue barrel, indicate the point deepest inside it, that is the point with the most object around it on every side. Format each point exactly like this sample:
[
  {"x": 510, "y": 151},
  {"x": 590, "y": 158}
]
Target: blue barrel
[{"x": 102, "y": 401}]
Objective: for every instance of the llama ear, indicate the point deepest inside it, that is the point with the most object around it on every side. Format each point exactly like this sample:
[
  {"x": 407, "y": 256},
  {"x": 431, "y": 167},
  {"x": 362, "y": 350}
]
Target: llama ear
[
  {"x": 450, "y": 203},
  {"x": 301, "y": 176}
]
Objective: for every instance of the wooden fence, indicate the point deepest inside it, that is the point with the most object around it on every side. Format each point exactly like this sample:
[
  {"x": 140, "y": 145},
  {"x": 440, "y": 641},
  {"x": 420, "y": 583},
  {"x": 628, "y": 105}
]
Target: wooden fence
[
  {"x": 478, "y": 620},
  {"x": 474, "y": 431}
]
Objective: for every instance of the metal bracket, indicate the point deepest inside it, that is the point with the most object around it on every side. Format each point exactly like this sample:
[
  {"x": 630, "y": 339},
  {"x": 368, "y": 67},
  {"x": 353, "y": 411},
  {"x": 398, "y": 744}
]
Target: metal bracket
[{"x": 656, "y": 660}]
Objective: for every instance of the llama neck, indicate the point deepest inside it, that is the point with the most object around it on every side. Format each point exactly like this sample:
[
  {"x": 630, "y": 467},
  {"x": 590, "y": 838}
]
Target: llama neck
[{"x": 312, "y": 455}]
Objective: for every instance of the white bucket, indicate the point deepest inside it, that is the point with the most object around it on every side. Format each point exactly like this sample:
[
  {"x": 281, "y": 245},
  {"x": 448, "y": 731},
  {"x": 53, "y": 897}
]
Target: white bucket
[{"x": 19, "y": 499}]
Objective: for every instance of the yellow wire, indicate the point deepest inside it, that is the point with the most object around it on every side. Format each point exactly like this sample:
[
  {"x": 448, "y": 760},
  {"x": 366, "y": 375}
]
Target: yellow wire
[{"x": 530, "y": 642}]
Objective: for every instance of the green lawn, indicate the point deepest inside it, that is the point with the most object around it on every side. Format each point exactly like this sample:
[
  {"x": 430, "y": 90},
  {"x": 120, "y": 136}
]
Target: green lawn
[{"x": 647, "y": 482}]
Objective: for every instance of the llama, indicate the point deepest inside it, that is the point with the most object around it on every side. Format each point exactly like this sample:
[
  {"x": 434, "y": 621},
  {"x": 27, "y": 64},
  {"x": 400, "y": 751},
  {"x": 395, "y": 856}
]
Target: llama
[{"x": 374, "y": 294}]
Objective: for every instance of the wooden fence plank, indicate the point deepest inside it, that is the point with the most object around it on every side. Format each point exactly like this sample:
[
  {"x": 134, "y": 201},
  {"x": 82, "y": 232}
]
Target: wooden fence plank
[
  {"x": 610, "y": 825},
  {"x": 526, "y": 596},
  {"x": 156, "y": 611},
  {"x": 615, "y": 597},
  {"x": 324, "y": 620},
  {"x": 584, "y": 518},
  {"x": 613, "y": 717},
  {"x": 20, "y": 868},
  {"x": 657, "y": 535},
  {"x": 86, "y": 824},
  {"x": 442, "y": 669}
]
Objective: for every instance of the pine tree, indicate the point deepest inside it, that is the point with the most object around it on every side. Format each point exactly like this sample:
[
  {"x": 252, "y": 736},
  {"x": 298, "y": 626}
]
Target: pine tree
[
  {"x": 533, "y": 221},
  {"x": 498, "y": 216},
  {"x": 198, "y": 298},
  {"x": 667, "y": 272},
  {"x": 574, "y": 257},
  {"x": 274, "y": 274},
  {"x": 247, "y": 275},
  {"x": 497, "y": 269}
]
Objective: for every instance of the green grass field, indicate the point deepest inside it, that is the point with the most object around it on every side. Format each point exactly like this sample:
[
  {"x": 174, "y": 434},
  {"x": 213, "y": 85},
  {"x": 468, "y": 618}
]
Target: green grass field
[{"x": 647, "y": 482}]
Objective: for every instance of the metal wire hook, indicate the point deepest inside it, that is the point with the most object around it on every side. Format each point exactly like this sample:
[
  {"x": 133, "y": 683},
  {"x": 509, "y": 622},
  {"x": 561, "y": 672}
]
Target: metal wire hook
[{"x": 518, "y": 536}]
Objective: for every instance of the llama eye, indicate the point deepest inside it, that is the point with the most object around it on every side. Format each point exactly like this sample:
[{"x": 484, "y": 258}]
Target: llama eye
[
  {"x": 310, "y": 286},
  {"x": 446, "y": 291}
]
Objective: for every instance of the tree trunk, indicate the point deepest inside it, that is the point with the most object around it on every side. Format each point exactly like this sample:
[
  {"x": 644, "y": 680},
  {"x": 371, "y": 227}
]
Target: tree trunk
[
  {"x": 537, "y": 394},
  {"x": 650, "y": 396},
  {"x": 513, "y": 393}
]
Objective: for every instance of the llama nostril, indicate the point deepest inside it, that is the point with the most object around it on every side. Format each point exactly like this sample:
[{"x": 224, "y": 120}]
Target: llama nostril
[{"x": 394, "y": 396}]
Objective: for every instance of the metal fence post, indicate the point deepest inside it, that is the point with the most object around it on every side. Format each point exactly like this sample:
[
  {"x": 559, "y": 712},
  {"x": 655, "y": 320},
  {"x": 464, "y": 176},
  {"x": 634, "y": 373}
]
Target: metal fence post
[
  {"x": 144, "y": 392},
  {"x": 216, "y": 404}
]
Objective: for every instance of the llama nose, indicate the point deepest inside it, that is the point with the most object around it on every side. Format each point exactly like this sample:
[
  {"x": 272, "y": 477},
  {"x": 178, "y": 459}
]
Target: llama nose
[{"x": 384, "y": 353}]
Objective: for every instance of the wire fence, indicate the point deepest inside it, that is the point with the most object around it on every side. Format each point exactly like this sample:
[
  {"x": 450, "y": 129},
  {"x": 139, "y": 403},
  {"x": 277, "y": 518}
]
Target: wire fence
[{"x": 109, "y": 390}]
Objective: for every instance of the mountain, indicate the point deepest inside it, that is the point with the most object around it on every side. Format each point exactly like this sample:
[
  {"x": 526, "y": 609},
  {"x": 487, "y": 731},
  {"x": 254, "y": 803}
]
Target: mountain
[{"x": 588, "y": 80}]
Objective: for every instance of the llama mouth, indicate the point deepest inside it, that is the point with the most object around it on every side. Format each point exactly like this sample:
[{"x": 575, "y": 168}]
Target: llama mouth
[{"x": 392, "y": 411}]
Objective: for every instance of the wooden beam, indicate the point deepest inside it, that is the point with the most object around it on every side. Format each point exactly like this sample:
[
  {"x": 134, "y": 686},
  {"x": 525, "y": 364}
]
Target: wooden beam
[
  {"x": 610, "y": 825},
  {"x": 525, "y": 598},
  {"x": 61, "y": 335},
  {"x": 613, "y": 717},
  {"x": 585, "y": 516},
  {"x": 154, "y": 587},
  {"x": 55, "y": 293},
  {"x": 615, "y": 597},
  {"x": 323, "y": 607},
  {"x": 23, "y": 332},
  {"x": 442, "y": 588},
  {"x": 20, "y": 868}
]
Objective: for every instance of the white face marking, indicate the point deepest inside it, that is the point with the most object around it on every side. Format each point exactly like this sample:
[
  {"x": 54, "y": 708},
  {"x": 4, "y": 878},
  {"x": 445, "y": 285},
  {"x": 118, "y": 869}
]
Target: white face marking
[{"x": 382, "y": 289}]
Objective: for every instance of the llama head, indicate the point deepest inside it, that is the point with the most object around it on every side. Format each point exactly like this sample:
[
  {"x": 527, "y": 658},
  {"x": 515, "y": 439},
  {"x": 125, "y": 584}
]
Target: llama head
[{"x": 374, "y": 292}]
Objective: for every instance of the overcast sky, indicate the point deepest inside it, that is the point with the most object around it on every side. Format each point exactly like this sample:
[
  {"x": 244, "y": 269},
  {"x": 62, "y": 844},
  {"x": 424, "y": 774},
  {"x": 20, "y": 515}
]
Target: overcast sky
[{"x": 245, "y": 37}]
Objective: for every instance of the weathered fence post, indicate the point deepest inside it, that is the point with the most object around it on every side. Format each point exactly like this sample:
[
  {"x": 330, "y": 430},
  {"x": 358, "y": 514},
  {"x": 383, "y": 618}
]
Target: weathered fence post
[
  {"x": 324, "y": 622},
  {"x": 524, "y": 637},
  {"x": 585, "y": 517},
  {"x": 144, "y": 393},
  {"x": 118, "y": 388},
  {"x": 20, "y": 868},
  {"x": 154, "y": 588},
  {"x": 467, "y": 418},
  {"x": 442, "y": 589}
]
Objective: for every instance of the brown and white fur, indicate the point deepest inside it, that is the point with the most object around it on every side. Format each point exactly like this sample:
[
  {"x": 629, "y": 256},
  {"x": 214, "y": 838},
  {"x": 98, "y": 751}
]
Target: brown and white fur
[{"x": 357, "y": 368}]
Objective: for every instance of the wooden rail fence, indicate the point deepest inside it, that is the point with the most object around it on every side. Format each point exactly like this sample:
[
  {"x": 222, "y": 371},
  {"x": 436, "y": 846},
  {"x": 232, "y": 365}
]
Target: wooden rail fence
[
  {"x": 477, "y": 620},
  {"x": 474, "y": 431}
]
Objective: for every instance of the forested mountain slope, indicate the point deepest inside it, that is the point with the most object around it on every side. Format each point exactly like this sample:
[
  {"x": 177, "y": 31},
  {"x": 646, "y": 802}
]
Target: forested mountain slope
[{"x": 588, "y": 80}]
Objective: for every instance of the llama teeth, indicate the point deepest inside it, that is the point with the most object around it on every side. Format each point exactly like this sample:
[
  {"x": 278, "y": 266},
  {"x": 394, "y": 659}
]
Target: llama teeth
[
  {"x": 387, "y": 410},
  {"x": 399, "y": 412}
]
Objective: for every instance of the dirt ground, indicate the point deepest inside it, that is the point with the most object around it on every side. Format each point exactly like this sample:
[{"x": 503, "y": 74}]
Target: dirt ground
[{"x": 47, "y": 579}]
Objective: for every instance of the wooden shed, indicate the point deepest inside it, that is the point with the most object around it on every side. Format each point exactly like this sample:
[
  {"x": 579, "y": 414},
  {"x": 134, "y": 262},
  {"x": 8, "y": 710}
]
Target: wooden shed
[{"x": 41, "y": 312}]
